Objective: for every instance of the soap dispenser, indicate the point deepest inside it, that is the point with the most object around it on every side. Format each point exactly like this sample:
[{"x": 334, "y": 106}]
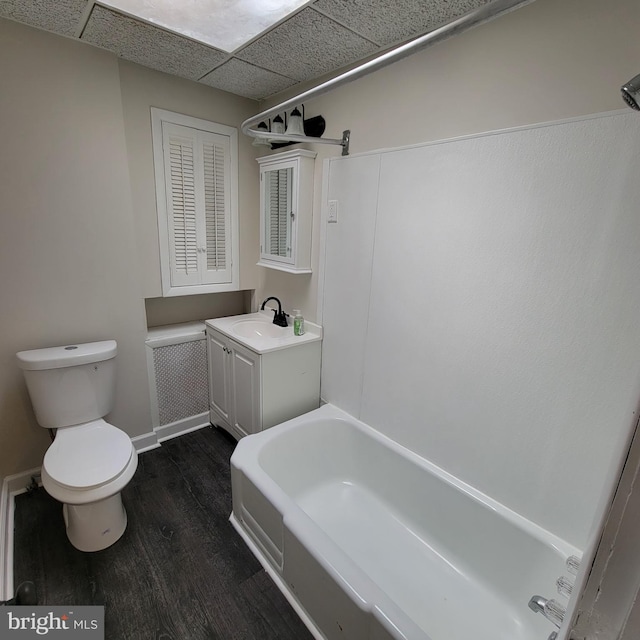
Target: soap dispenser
[{"x": 298, "y": 323}]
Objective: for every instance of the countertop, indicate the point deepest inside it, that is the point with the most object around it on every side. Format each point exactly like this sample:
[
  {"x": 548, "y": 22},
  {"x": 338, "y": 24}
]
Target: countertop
[{"x": 265, "y": 344}]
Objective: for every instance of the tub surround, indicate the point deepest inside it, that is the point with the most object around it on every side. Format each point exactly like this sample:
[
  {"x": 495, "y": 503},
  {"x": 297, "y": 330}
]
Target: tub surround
[
  {"x": 369, "y": 540},
  {"x": 494, "y": 281}
]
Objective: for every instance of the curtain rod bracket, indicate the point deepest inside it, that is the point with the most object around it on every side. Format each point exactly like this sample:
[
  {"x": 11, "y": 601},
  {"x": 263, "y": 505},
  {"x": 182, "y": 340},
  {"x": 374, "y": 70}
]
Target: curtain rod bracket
[
  {"x": 346, "y": 135},
  {"x": 477, "y": 16}
]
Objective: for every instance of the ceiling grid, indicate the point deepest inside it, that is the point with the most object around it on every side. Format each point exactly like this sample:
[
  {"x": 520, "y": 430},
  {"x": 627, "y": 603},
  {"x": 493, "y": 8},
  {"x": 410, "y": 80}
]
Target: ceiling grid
[{"x": 315, "y": 39}]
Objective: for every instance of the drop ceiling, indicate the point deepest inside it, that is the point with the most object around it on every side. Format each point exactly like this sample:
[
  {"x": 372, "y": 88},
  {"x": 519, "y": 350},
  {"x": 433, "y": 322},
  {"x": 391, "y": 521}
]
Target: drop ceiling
[{"x": 320, "y": 37}]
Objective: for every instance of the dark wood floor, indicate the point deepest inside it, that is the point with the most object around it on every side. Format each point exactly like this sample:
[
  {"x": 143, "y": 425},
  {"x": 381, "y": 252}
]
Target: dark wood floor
[{"x": 180, "y": 572}]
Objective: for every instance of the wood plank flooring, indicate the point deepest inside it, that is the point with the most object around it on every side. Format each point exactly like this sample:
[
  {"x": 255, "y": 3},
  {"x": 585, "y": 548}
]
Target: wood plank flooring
[{"x": 180, "y": 572}]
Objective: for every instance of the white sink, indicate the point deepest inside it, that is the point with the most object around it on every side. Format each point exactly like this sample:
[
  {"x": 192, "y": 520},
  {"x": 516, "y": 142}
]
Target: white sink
[
  {"x": 257, "y": 332},
  {"x": 257, "y": 329}
]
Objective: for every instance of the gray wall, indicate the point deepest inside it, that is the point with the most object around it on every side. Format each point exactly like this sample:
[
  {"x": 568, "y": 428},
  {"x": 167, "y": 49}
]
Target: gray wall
[
  {"x": 142, "y": 89},
  {"x": 78, "y": 251}
]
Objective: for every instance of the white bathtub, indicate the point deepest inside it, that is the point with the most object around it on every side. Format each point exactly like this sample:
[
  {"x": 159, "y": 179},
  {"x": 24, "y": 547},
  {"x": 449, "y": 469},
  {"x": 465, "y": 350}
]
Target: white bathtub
[{"x": 368, "y": 540}]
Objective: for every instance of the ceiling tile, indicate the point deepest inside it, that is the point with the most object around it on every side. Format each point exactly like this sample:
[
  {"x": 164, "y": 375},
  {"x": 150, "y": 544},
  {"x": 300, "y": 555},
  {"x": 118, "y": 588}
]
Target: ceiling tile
[
  {"x": 61, "y": 16},
  {"x": 247, "y": 80},
  {"x": 306, "y": 46},
  {"x": 148, "y": 45},
  {"x": 322, "y": 38},
  {"x": 221, "y": 24},
  {"x": 390, "y": 21}
]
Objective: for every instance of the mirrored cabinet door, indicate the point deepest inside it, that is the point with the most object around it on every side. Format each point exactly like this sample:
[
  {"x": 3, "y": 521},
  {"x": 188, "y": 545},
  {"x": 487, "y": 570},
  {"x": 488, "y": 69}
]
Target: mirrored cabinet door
[
  {"x": 278, "y": 215},
  {"x": 286, "y": 203}
]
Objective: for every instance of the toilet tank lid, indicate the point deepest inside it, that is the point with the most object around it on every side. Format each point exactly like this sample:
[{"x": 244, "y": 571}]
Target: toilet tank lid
[{"x": 67, "y": 356}]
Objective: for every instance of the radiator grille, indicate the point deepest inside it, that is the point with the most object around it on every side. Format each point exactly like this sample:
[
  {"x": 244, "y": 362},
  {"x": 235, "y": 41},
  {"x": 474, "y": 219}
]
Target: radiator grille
[{"x": 181, "y": 380}]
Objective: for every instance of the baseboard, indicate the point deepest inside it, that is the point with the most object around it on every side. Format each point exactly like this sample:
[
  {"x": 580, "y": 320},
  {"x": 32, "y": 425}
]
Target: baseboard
[
  {"x": 11, "y": 486},
  {"x": 180, "y": 427},
  {"x": 153, "y": 439},
  {"x": 145, "y": 442}
]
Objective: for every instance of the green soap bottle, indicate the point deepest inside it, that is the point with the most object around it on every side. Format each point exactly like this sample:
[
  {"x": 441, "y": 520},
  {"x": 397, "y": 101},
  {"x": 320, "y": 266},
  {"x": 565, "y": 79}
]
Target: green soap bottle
[{"x": 298, "y": 323}]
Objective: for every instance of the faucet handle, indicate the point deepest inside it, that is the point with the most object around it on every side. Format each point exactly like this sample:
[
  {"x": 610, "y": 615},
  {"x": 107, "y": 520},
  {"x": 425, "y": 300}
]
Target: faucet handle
[
  {"x": 573, "y": 565},
  {"x": 554, "y": 612},
  {"x": 565, "y": 586},
  {"x": 280, "y": 318}
]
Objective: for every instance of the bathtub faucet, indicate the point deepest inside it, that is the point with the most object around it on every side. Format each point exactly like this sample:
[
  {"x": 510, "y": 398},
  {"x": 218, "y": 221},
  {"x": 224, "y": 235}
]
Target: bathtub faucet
[
  {"x": 279, "y": 317},
  {"x": 536, "y": 604},
  {"x": 550, "y": 609}
]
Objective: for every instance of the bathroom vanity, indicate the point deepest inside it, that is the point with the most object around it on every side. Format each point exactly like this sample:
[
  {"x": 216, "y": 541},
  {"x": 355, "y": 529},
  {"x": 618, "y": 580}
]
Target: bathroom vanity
[{"x": 260, "y": 374}]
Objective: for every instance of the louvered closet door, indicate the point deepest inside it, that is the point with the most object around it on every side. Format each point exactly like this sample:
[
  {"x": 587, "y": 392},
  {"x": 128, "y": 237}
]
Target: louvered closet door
[
  {"x": 179, "y": 146},
  {"x": 197, "y": 173},
  {"x": 216, "y": 219}
]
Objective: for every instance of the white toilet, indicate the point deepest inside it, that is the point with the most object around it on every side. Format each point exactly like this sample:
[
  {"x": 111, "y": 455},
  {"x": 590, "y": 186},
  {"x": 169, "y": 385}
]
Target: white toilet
[{"x": 90, "y": 461}]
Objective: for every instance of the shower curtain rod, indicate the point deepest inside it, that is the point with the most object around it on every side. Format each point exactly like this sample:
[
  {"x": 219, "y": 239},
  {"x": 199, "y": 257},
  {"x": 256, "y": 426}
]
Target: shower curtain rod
[{"x": 473, "y": 18}]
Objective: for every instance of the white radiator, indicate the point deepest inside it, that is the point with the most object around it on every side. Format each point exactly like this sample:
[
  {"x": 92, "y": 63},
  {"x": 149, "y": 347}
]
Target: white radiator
[{"x": 178, "y": 378}]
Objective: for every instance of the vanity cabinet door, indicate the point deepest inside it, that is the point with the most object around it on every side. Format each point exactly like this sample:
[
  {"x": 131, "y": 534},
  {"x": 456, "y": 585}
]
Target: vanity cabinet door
[
  {"x": 219, "y": 377},
  {"x": 245, "y": 390},
  {"x": 235, "y": 389}
]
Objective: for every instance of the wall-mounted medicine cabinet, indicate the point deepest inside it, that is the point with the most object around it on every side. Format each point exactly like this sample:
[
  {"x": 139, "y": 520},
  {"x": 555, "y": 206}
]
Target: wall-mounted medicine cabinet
[{"x": 286, "y": 206}]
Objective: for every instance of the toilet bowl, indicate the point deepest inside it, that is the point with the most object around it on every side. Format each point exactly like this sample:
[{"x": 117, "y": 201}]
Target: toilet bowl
[
  {"x": 90, "y": 461},
  {"x": 86, "y": 468}
]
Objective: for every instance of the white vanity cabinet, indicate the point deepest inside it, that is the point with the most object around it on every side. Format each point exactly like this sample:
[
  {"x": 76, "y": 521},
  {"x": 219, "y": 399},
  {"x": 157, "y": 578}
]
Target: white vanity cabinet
[
  {"x": 251, "y": 391},
  {"x": 234, "y": 385},
  {"x": 286, "y": 207}
]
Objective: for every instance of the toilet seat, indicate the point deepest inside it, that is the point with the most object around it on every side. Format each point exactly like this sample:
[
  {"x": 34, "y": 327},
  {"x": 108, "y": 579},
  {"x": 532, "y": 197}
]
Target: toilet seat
[
  {"x": 87, "y": 456},
  {"x": 89, "y": 462}
]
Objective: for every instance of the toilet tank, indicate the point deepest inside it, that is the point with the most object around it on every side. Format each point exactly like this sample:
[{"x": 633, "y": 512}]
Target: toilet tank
[{"x": 72, "y": 384}]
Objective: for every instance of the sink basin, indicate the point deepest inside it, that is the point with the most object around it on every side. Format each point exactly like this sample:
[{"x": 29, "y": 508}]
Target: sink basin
[
  {"x": 257, "y": 329},
  {"x": 256, "y": 332}
]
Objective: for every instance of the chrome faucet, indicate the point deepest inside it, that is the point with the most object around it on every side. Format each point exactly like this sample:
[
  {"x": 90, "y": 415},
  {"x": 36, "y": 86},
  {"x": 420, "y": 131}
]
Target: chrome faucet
[
  {"x": 550, "y": 609},
  {"x": 536, "y": 604},
  {"x": 279, "y": 317}
]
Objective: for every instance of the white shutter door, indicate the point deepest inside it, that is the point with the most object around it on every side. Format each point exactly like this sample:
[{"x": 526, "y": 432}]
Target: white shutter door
[
  {"x": 196, "y": 172},
  {"x": 216, "y": 267},
  {"x": 179, "y": 147}
]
